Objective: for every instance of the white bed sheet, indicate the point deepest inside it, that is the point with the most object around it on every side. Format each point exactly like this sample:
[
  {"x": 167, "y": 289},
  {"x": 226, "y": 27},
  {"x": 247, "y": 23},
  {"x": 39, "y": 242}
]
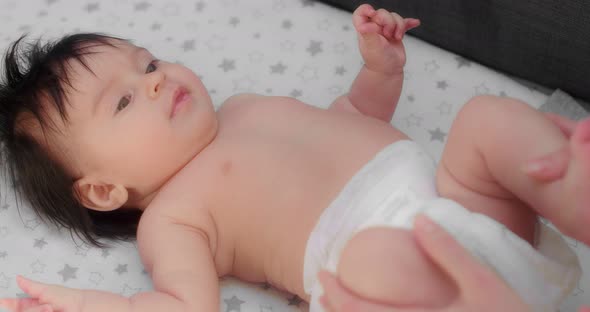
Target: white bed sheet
[{"x": 295, "y": 48}]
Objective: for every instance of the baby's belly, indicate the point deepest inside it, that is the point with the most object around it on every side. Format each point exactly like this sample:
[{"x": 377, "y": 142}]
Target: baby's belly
[
  {"x": 284, "y": 173},
  {"x": 270, "y": 243},
  {"x": 273, "y": 221}
]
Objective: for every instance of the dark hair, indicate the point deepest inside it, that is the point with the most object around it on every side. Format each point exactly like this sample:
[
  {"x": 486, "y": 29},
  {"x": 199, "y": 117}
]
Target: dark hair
[{"x": 36, "y": 77}]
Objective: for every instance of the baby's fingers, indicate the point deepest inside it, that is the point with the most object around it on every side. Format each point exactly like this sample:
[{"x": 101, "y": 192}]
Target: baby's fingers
[
  {"x": 44, "y": 293},
  {"x": 18, "y": 304},
  {"x": 411, "y": 23},
  {"x": 362, "y": 15},
  {"x": 41, "y": 308},
  {"x": 33, "y": 289}
]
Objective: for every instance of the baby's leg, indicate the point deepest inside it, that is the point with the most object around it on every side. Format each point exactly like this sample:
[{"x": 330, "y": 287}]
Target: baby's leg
[
  {"x": 489, "y": 142},
  {"x": 387, "y": 266}
]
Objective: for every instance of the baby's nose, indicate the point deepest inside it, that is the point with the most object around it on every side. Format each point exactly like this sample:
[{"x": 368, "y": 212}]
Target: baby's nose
[{"x": 155, "y": 84}]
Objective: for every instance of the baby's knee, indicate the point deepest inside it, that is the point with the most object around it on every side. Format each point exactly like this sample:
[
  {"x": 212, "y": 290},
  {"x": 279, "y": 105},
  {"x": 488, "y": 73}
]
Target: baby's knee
[
  {"x": 386, "y": 265},
  {"x": 491, "y": 108}
]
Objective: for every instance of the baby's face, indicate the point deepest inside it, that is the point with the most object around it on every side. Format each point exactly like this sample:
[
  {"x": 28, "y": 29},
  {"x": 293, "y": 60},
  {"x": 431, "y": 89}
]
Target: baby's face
[{"x": 137, "y": 120}]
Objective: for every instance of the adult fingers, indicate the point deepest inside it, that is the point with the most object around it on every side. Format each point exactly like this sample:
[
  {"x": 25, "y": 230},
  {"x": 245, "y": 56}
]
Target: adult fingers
[
  {"x": 452, "y": 258},
  {"x": 549, "y": 167},
  {"x": 566, "y": 126}
]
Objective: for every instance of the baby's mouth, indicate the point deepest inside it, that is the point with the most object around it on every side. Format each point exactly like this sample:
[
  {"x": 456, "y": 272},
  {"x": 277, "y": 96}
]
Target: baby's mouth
[{"x": 179, "y": 98}]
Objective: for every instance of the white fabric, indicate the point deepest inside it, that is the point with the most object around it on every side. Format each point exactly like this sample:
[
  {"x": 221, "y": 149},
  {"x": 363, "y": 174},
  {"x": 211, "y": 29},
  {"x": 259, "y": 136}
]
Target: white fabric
[{"x": 398, "y": 184}]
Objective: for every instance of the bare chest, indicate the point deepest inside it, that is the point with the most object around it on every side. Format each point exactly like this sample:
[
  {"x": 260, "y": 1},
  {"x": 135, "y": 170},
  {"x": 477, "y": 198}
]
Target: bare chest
[{"x": 269, "y": 174}]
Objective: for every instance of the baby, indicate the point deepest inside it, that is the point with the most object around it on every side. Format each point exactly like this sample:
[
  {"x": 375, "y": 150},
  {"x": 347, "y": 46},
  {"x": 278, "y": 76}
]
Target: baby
[{"x": 108, "y": 141}]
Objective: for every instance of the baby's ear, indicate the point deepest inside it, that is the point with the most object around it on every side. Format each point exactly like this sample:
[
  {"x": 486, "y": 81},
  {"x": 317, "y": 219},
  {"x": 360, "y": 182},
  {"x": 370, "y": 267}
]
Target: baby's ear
[{"x": 100, "y": 196}]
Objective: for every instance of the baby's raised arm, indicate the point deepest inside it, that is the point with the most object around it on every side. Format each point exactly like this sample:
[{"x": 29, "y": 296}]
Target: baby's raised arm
[{"x": 376, "y": 89}]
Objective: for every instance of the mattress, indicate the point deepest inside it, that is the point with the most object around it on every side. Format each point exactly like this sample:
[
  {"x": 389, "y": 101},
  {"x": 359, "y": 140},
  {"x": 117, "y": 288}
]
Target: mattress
[{"x": 297, "y": 48}]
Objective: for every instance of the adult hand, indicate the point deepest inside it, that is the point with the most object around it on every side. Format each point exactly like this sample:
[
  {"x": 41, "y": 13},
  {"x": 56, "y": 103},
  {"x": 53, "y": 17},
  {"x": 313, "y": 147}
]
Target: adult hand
[
  {"x": 480, "y": 289},
  {"x": 551, "y": 167}
]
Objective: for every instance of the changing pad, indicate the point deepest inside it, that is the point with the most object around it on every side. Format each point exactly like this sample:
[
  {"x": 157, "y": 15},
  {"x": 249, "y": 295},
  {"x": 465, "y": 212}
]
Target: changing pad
[{"x": 296, "y": 48}]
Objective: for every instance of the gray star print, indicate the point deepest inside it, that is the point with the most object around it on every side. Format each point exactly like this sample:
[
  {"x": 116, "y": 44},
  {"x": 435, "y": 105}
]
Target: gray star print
[
  {"x": 91, "y": 7},
  {"x": 482, "y": 89},
  {"x": 32, "y": 224},
  {"x": 444, "y": 108},
  {"x": 121, "y": 268},
  {"x": 105, "y": 253},
  {"x": 340, "y": 70},
  {"x": 431, "y": 66},
  {"x": 315, "y": 47},
  {"x": 200, "y": 6},
  {"x": 442, "y": 85},
  {"x": 50, "y": 2},
  {"x": 233, "y": 304},
  {"x": 3, "y": 254},
  {"x": 3, "y": 231},
  {"x": 437, "y": 134},
  {"x": 40, "y": 243},
  {"x": 308, "y": 73},
  {"x": 156, "y": 26},
  {"x": 142, "y": 6},
  {"x": 234, "y": 21},
  {"x": 38, "y": 267},
  {"x": 296, "y": 93},
  {"x": 279, "y": 68},
  {"x": 129, "y": 291},
  {"x": 68, "y": 272},
  {"x": 462, "y": 62},
  {"x": 4, "y": 281},
  {"x": 413, "y": 120},
  {"x": 188, "y": 45},
  {"x": 227, "y": 65},
  {"x": 287, "y": 24},
  {"x": 265, "y": 308},
  {"x": 307, "y": 3},
  {"x": 96, "y": 278}
]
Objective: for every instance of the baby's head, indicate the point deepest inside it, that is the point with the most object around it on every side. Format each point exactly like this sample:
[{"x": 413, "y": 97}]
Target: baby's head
[{"x": 94, "y": 126}]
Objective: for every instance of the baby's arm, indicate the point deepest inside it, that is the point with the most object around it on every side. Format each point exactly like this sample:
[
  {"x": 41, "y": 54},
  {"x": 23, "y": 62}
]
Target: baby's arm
[
  {"x": 182, "y": 269},
  {"x": 376, "y": 89},
  {"x": 180, "y": 262}
]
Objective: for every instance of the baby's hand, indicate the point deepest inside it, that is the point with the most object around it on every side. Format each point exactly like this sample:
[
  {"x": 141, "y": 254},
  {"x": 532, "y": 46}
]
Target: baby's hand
[
  {"x": 380, "y": 35},
  {"x": 44, "y": 298}
]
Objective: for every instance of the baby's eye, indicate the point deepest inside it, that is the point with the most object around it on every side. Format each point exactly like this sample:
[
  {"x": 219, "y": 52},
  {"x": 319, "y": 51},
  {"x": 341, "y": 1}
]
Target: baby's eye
[
  {"x": 151, "y": 67},
  {"x": 123, "y": 102}
]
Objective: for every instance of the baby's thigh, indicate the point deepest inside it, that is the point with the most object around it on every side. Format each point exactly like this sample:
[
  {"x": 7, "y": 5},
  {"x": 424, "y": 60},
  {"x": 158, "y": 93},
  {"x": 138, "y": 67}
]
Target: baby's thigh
[{"x": 386, "y": 265}]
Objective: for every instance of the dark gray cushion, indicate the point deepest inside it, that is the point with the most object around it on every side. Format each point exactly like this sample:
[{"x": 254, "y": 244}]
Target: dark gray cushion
[{"x": 545, "y": 41}]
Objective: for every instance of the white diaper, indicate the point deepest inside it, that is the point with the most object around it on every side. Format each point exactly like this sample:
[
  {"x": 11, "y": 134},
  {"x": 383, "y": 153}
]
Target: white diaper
[{"x": 398, "y": 184}]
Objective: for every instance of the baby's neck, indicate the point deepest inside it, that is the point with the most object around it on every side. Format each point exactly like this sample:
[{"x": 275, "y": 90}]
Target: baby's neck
[{"x": 142, "y": 201}]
